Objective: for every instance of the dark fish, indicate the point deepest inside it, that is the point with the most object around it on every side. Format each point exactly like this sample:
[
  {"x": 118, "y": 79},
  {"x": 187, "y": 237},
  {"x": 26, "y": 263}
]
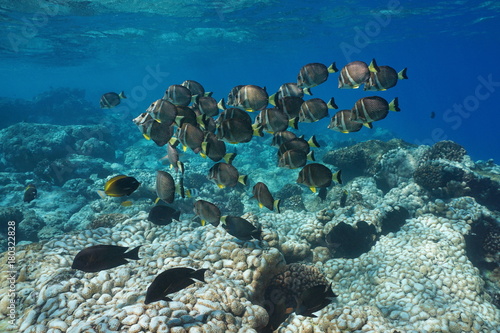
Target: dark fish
[
  {"x": 111, "y": 99},
  {"x": 264, "y": 197},
  {"x": 385, "y": 78},
  {"x": 208, "y": 212},
  {"x": 314, "y": 74},
  {"x": 206, "y": 123},
  {"x": 290, "y": 105},
  {"x": 30, "y": 193},
  {"x": 178, "y": 95},
  {"x": 314, "y": 299},
  {"x": 165, "y": 186},
  {"x": 251, "y": 98},
  {"x": 186, "y": 115},
  {"x": 274, "y": 120},
  {"x": 373, "y": 108},
  {"x": 341, "y": 122},
  {"x": 232, "y": 113},
  {"x": 120, "y": 186},
  {"x": 355, "y": 74},
  {"x": 286, "y": 90},
  {"x": 190, "y": 136},
  {"x": 162, "y": 111},
  {"x": 172, "y": 280},
  {"x": 100, "y": 257},
  {"x": 240, "y": 228},
  {"x": 163, "y": 215},
  {"x": 235, "y": 130},
  {"x": 315, "y": 109},
  {"x": 343, "y": 198},
  {"x": 195, "y": 88},
  {"x": 160, "y": 133},
  {"x": 317, "y": 175},
  {"x": 224, "y": 174},
  {"x": 173, "y": 158},
  {"x": 215, "y": 149},
  {"x": 295, "y": 158},
  {"x": 206, "y": 105},
  {"x": 231, "y": 97},
  {"x": 433, "y": 115},
  {"x": 281, "y": 137},
  {"x": 298, "y": 143}
]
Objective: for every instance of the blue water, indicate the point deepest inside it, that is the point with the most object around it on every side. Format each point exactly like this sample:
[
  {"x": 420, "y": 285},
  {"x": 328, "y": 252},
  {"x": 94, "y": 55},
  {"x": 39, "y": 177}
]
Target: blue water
[{"x": 450, "y": 48}]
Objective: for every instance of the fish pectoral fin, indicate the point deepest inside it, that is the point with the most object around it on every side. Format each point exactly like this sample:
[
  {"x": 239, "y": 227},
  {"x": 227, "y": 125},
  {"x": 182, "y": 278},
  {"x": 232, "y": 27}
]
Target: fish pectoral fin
[
  {"x": 261, "y": 205},
  {"x": 220, "y": 186},
  {"x": 147, "y": 137},
  {"x": 313, "y": 189},
  {"x": 156, "y": 200},
  {"x": 369, "y": 125},
  {"x": 203, "y": 222}
]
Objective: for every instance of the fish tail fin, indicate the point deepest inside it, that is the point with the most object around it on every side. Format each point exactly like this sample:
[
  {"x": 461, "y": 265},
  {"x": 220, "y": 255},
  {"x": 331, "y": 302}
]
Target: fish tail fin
[
  {"x": 373, "y": 67},
  {"x": 180, "y": 166},
  {"x": 243, "y": 179},
  {"x": 229, "y": 158},
  {"x": 333, "y": 68},
  {"x": 307, "y": 91},
  {"x": 178, "y": 120},
  {"x": 336, "y": 176},
  {"x": 331, "y": 104},
  {"x": 199, "y": 274},
  {"x": 222, "y": 104},
  {"x": 276, "y": 205},
  {"x": 272, "y": 99},
  {"x": 310, "y": 156},
  {"x": 313, "y": 142},
  {"x": 133, "y": 254},
  {"x": 259, "y": 131},
  {"x": 122, "y": 95},
  {"x": 200, "y": 120},
  {"x": 402, "y": 75},
  {"x": 394, "y": 105},
  {"x": 294, "y": 123},
  {"x": 173, "y": 141}
]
